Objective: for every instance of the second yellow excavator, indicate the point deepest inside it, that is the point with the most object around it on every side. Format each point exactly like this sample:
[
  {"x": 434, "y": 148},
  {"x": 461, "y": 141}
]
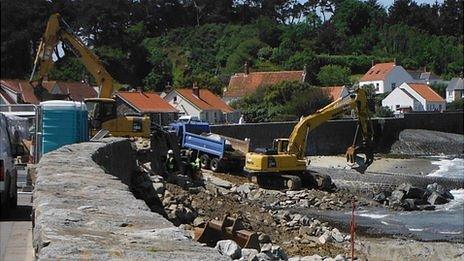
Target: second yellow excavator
[
  {"x": 284, "y": 165},
  {"x": 102, "y": 110}
]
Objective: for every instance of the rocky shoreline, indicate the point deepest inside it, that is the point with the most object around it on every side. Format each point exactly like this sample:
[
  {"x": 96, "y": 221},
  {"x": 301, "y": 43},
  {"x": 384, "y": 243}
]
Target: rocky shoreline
[
  {"x": 289, "y": 233},
  {"x": 313, "y": 224}
]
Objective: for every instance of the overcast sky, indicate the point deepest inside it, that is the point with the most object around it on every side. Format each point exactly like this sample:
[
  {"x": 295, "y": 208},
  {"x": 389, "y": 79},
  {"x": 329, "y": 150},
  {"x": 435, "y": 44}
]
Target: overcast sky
[{"x": 387, "y": 3}]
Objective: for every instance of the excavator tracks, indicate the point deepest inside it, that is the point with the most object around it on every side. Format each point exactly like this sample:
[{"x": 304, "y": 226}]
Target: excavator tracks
[{"x": 293, "y": 181}]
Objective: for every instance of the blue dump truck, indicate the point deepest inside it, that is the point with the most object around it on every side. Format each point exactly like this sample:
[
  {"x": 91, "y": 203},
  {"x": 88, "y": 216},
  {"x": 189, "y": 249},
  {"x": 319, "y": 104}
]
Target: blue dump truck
[{"x": 218, "y": 153}]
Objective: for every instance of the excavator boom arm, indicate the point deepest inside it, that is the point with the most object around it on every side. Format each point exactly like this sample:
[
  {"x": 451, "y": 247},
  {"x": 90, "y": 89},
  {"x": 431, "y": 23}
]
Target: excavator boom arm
[
  {"x": 356, "y": 101},
  {"x": 55, "y": 33}
]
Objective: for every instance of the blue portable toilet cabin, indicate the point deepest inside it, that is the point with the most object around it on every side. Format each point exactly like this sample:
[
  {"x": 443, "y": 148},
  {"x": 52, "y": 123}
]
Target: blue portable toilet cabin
[{"x": 63, "y": 122}]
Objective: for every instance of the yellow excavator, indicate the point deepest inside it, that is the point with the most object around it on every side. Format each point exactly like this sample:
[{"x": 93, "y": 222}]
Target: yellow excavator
[
  {"x": 284, "y": 165},
  {"x": 103, "y": 112}
]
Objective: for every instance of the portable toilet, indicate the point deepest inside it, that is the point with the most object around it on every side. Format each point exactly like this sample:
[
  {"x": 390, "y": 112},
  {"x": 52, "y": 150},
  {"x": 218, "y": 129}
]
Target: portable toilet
[{"x": 63, "y": 122}]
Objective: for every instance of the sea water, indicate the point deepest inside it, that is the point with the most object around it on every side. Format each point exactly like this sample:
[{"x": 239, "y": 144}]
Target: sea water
[
  {"x": 446, "y": 222},
  {"x": 449, "y": 168}
]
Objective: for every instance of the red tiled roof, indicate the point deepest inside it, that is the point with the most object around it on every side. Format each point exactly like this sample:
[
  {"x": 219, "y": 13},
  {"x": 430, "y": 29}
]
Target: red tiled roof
[
  {"x": 241, "y": 84},
  {"x": 77, "y": 91},
  {"x": 377, "y": 72},
  {"x": 426, "y": 92},
  {"x": 206, "y": 101},
  {"x": 146, "y": 102},
  {"x": 334, "y": 91}
]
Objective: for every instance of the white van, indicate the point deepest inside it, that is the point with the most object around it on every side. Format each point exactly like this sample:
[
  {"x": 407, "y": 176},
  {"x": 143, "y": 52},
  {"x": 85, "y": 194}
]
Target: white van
[
  {"x": 8, "y": 173},
  {"x": 188, "y": 118}
]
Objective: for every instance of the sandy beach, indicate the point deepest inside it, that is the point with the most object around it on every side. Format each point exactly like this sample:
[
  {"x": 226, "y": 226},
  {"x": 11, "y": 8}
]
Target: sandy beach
[{"x": 409, "y": 166}]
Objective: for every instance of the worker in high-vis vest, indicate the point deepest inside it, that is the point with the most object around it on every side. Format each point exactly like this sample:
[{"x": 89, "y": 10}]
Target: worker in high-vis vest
[
  {"x": 196, "y": 173},
  {"x": 170, "y": 162}
]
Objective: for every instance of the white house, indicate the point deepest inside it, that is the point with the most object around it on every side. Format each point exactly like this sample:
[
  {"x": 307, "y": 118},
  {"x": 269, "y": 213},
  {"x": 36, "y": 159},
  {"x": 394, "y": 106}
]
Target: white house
[
  {"x": 414, "y": 97},
  {"x": 203, "y": 104},
  {"x": 455, "y": 90},
  {"x": 385, "y": 77}
]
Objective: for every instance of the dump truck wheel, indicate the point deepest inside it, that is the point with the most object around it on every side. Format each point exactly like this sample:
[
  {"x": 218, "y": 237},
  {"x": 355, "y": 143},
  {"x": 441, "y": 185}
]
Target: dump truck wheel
[
  {"x": 204, "y": 161},
  {"x": 215, "y": 165}
]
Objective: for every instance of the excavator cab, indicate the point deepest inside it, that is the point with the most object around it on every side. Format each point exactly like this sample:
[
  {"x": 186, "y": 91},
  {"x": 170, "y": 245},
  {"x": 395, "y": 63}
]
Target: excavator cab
[
  {"x": 100, "y": 110},
  {"x": 280, "y": 145},
  {"x": 103, "y": 114}
]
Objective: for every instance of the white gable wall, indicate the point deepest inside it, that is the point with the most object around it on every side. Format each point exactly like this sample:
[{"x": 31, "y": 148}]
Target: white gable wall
[
  {"x": 181, "y": 104},
  {"x": 394, "y": 78},
  {"x": 427, "y": 105},
  {"x": 398, "y": 98},
  {"x": 185, "y": 107},
  {"x": 397, "y": 76}
]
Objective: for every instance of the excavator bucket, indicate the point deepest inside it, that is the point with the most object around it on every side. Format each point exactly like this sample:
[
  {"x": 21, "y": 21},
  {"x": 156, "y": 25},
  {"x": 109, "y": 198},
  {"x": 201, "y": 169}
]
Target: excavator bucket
[
  {"x": 355, "y": 160},
  {"x": 228, "y": 228}
]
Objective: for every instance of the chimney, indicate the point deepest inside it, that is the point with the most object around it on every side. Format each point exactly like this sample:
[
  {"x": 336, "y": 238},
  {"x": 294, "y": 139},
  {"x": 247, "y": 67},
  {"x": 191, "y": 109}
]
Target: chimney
[
  {"x": 247, "y": 68},
  {"x": 139, "y": 89},
  {"x": 372, "y": 63},
  {"x": 168, "y": 87},
  {"x": 196, "y": 90},
  {"x": 394, "y": 62}
]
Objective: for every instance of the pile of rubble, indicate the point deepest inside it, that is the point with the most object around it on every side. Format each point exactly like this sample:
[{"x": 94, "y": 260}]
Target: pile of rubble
[
  {"x": 409, "y": 198},
  {"x": 190, "y": 206},
  {"x": 315, "y": 199},
  {"x": 268, "y": 252},
  {"x": 310, "y": 230}
]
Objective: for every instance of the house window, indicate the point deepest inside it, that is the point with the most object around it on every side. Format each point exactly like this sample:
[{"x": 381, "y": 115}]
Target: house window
[
  {"x": 175, "y": 99},
  {"x": 439, "y": 107},
  {"x": 393, "y": 85},
  {"x": 377, "y": 86},
  {"x": 397, "y": 107}
]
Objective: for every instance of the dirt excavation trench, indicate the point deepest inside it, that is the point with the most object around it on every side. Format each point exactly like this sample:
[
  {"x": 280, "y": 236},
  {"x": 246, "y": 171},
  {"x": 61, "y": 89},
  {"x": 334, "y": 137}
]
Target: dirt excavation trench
[{"x": 297, "y": 225}]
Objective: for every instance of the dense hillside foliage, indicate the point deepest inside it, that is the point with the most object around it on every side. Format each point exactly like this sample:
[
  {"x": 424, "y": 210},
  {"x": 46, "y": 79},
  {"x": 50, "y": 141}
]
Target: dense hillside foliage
[{"x": 153, "y": 43}]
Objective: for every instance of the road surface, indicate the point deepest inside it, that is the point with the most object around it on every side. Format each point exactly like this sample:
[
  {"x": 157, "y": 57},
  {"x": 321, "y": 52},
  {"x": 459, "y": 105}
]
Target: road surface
[{"x": 16, "y": 230}]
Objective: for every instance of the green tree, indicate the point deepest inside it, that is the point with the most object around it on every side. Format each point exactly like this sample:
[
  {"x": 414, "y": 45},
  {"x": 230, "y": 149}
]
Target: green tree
[
  {"x": 161, "y": 73},
  {"x": 69, "y": 69},
  {"x": 301, "y": 59},
  {"x": 457, "y": 105},
  {"x": 247, "y": 51},
  {"x": 280, "y": 102},
  {"x": 20, "y": 35},
  {"x": 331, "y": 75},
  {"x": 439, "y": 88},
  {"x": 306, "y": 102},
  {"x": 383, "y": 112},
  {"x": 452, "y": 17}
]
